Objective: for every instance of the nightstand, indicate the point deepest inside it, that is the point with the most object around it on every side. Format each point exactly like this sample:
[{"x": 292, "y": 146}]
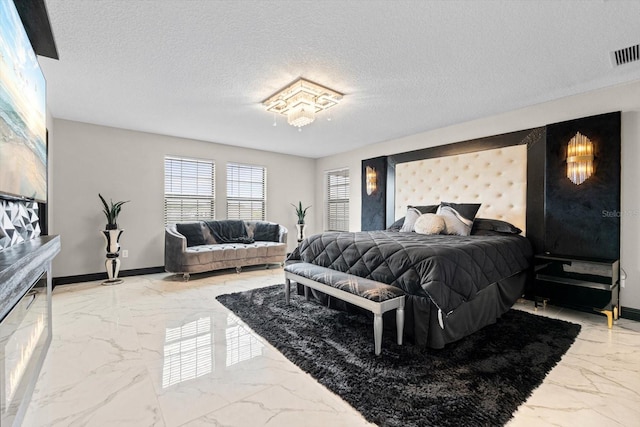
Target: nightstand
[{"x": 579, "y": 282}]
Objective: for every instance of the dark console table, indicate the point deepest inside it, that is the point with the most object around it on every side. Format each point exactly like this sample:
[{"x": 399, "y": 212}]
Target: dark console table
[
  {"x": 579, "y": 282},
  {"x": 25, "y": 321}
]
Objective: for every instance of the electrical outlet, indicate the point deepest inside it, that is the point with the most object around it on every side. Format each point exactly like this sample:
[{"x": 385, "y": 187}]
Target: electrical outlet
[{"x": 125, "y": 253}]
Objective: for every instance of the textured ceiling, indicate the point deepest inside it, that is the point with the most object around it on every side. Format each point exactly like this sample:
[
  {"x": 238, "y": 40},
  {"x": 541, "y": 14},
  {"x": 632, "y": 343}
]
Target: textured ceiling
[{"x": 199, "y": 69}]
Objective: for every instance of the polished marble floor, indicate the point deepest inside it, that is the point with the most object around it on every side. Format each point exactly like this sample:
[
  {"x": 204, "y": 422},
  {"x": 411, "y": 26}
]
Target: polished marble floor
[{"x": 156, "y": 351}]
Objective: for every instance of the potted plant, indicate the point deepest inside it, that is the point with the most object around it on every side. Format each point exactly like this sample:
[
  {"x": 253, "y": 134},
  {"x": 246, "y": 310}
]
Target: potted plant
[
  {"x": 111, "y": 212},
  {"x": 112, "y": 237},
  {"x": 301, "y": 214}
]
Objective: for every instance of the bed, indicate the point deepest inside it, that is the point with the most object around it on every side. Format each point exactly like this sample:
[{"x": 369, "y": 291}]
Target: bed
[
  {"x": 455, "y": 284},
  {"x": 451, "y": 282}
]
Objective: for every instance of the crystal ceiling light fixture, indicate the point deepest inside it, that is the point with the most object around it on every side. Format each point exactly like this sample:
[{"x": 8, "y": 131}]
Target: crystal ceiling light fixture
[{"x": 301, "y": 100}]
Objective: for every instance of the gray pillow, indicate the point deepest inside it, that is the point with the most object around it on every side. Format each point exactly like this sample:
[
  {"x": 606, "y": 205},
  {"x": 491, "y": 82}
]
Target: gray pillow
[
  {"x": 410, "y": 220},
  {"x": 455, "y": 223},
  {"x": 467, "y": 210},
  {"x": 396, "y": 226},
  {"x": 266, "y": 232},
  {"x": 484, "y": 224},
  {"x": 426, "y": 208},
  {"x": 192, "y": 231}
]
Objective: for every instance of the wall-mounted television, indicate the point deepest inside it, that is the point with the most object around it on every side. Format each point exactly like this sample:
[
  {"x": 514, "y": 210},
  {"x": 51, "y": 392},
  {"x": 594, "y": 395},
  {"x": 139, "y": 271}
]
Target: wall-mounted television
[{"x": 23, "y": 126}]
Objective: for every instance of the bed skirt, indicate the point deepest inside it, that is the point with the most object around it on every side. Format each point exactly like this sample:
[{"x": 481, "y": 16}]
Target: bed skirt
[{"x": 421, "y": 315}]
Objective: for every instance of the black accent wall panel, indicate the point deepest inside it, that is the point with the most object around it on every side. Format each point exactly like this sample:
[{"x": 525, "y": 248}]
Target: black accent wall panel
[
  {"x": 536, "y": 155},
  {"x": 391, "y": 193},
  {"x": 373, "y": 215},
  {"x": 470, "y": 146},
  {"x": 584, "y": 220}
]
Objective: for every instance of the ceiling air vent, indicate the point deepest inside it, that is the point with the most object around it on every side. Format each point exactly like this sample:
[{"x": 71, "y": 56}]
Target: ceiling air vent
[{"x": 626, "y": 55}]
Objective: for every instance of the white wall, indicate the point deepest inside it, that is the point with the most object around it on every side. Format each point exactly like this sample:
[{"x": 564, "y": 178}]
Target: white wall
[
  {"x": 127, "y": 165},
  {"x": 50, "y": 160},
  {"x": 625, "y": 98}
]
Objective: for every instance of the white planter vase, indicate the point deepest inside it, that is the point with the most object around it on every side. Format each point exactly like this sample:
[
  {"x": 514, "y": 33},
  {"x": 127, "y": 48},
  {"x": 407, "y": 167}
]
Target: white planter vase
[
  {"x": 112, "y": 263},
  {"x": 300, "y": 228}
]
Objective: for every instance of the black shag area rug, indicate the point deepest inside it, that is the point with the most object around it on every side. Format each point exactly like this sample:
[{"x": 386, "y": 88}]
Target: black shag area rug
[{"x": 478, "y": 381}]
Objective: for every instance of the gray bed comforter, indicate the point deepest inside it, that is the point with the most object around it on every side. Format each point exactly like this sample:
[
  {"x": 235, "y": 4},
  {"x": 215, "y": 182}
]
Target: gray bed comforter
[{"x": 448, "y": 270}]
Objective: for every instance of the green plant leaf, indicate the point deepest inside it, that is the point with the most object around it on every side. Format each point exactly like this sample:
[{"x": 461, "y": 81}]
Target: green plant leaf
[
  {"x": 300, "y": 211},
  {"x": 111, "y": 211}
]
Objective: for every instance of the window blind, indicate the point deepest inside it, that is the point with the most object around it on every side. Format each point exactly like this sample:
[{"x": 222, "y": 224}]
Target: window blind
[
  {"x": 338, "y": 200},
  {"x": 246, "y": 192},
  {"x": 189, "y": 190}
]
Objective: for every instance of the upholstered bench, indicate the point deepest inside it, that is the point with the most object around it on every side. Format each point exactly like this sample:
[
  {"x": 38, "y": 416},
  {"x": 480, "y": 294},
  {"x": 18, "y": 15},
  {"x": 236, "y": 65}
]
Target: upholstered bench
[{"x": 374, "y": 296}]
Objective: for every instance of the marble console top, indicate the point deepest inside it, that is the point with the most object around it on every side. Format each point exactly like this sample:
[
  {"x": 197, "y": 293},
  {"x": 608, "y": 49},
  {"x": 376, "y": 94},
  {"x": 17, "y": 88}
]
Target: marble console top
[{"x": 20, "y": 267}]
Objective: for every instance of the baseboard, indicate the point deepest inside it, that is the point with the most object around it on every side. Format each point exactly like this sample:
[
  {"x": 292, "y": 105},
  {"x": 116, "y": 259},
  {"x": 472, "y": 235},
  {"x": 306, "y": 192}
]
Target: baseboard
[
  {"x": 630, "y": 313},
  {"x": 66, "y": 280}
]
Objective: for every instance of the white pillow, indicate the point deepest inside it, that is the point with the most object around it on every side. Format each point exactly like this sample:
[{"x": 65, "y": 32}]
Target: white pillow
[
  {"x": 409, "y": 221},
  {"x": 455, "y": 223},
  {"x": 429, "y": 224}
]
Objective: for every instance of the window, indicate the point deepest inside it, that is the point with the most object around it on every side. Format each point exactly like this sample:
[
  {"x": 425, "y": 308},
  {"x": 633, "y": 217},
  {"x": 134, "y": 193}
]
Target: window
[
  {"x": 246, "y": 192},
  {"x": 189, "y": 190},
  {"x": 338, "y": 200}
]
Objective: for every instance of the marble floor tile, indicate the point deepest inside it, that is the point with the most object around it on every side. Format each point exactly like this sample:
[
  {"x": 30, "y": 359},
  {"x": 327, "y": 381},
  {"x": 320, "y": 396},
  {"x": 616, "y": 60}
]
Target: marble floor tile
[{"x": 158, "y": 351}]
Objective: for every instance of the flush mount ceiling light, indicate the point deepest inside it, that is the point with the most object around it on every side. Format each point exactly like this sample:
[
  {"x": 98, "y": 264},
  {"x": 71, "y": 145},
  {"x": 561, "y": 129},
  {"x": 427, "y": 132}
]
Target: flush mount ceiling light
[
  {"x": 579, "y": 159},
  {"x": 301, "y": 101}
]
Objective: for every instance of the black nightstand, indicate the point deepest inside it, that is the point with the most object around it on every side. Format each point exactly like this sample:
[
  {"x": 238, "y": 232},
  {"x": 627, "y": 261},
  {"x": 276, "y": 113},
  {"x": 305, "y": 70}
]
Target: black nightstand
[{"x": 579, "y": 282}]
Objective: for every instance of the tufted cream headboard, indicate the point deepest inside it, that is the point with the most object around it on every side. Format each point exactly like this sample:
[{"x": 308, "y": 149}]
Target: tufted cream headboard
[{"x": 495, "y": 178}]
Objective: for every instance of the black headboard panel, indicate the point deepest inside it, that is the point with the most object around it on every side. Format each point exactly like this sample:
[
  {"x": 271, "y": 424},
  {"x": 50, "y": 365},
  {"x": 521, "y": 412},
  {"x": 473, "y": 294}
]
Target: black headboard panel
[
  {"x": 584, "y": 220},
  {"x": 374, "y": 214}
]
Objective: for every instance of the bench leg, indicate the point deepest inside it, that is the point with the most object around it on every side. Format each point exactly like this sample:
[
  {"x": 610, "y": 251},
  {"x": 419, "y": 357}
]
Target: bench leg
[
  {"x": 400, "y": 323},
  {"x": 287, "y": 290},
  {"x": 307, "y": 295},
  {"x": 377, "y": 333}
]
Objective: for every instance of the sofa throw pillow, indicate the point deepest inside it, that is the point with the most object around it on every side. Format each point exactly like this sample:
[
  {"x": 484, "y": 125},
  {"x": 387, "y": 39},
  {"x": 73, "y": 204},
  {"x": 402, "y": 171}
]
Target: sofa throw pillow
[
  {"x": 485, "y": 224},
  {"x": 266, "y": 232},
  {"x": 429, "y": 224},
  {"x": 410, "y": 220},
  {"x": 229, "y": 231},
  {"x": 192, "y": 231},
  {"x": 455, "y": 222}
]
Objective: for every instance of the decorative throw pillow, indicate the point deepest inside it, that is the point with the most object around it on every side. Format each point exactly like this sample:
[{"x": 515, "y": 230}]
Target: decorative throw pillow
[
  {"x": 455, "y": 222},
  {"x": 426, "y": 208},
  {"x": 467, "y": 210},
  {"x": 228, "y": 231},
  {"x": 429, "y": 224},
  {"x": 192, "y": 231},
  {"x": 410, "y": 220},
  {"x": 266, "y": 232},
  {"x": 484, "y": 224},
  {"x": 396, "y": 226}
]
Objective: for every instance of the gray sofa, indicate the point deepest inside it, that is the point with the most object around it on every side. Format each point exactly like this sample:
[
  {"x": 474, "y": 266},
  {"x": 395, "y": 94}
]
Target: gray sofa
[{"x": 202, "y": 246}]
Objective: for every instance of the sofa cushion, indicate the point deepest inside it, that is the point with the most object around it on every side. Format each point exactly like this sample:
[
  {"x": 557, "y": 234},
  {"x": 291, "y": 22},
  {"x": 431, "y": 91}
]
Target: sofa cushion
[
  {"x": 192, "y": 231},
  {"x": 221, "y": 252},
  {"x": 229, "y": 231},
  {"x": 266, "y": 232}
]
